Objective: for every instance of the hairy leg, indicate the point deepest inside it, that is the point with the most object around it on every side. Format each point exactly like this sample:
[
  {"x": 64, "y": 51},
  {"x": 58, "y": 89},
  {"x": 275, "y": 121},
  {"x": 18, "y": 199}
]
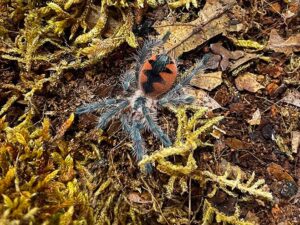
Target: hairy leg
[
  {"x": 127, "y": 79},
  {"x": 108, "y": 115},
  {"x": 138, "y": 150},
  {"x": 96, "y": 105},
  {"x": 138, "y": 143},
  {"x": 177, "y": 100},
  {"x": 154, "y": 128},
  {"x": 201, "y": 65}
]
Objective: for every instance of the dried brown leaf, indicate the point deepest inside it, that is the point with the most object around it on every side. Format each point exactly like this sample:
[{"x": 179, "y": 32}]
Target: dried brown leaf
[
  {"x": 248, "y": 82},
  {"x": 292, "y": 98},
  {"x": 275, "y": 7},
  {"x": 256, "y": 118},
  {"x": 218, "y": 49},
  {"x": 272, "y": 88},
  {"x": 207, "y": 81},
  {"x": 279, "y": 173},
  {"x": 245, "y": 59},
  {"x": 235, "y": 143},
  {"x": 202, "y": 99},
  {"x": 288, "y": 46},
  {"x": 272, "y": 69},
  {"x": 292, "y": 9},
  {"x": 213, "y": 20}
]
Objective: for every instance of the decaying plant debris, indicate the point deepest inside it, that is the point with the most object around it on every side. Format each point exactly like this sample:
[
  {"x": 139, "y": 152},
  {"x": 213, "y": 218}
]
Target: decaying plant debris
[{"x": 235, "y": 152}]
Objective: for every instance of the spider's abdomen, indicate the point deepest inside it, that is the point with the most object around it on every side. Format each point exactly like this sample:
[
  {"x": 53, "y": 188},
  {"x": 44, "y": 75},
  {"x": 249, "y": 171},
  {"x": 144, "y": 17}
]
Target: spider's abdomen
[{"x": 157, "y": 75}]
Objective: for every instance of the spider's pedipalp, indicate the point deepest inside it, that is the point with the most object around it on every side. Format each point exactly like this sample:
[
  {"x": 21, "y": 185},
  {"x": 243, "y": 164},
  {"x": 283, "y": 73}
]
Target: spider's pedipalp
[
  {"x": 95, "y": 106},
  {"x": 127, "y": 79},
  {"x": 108, "y": 115},
  {"x": 154, "y": 128}
]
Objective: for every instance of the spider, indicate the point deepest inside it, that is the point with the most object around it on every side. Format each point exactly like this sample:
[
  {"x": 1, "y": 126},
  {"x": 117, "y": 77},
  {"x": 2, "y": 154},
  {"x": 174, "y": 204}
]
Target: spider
[{"x": 153, "y": 78}]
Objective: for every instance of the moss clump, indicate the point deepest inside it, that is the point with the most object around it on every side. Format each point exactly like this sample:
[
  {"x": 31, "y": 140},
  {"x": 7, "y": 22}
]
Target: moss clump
[{"x": 38, "y": 184}]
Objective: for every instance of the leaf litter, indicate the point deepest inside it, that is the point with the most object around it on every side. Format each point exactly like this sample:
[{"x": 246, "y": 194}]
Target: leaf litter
[
  {"x": 288, "y": 46},
  {"x": 56, "y": 169},
  {"x": 207, "y": 81},
  {"x": 248, "y": 82}
]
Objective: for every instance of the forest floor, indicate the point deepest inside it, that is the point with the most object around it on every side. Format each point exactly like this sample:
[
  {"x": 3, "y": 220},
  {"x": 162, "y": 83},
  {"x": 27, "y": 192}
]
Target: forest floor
[{"x": 56, "y": 167}]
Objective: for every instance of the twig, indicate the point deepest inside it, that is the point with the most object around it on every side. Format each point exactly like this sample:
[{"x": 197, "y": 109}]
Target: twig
[
  {"x": 190, "y": 199},
  {"x": 154, "y": 199}
]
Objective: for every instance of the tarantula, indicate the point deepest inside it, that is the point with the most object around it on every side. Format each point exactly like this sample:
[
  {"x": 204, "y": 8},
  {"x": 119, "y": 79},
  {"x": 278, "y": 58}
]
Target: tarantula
[{"x": 153, "y": 77}]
